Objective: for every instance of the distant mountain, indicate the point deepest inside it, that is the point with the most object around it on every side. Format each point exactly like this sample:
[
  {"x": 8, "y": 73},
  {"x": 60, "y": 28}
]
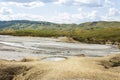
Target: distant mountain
[{"x": 25, "y": 24}]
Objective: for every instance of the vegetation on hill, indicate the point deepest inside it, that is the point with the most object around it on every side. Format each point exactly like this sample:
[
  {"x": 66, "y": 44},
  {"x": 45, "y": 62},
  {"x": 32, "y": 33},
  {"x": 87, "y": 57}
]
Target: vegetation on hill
[{"x": 90, "y": 32}]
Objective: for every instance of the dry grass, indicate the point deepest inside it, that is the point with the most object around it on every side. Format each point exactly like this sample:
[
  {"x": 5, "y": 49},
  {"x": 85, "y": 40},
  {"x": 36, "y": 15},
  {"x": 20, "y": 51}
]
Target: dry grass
[{"x": 73, "y": 68}]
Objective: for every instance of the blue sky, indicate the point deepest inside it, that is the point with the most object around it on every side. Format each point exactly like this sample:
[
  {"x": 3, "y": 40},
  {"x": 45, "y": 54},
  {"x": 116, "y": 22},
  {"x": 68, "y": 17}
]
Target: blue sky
[{"x": 60, "y": 11}]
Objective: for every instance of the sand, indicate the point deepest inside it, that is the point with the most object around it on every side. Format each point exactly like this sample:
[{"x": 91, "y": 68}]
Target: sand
[{"x": 73, "y": 68}]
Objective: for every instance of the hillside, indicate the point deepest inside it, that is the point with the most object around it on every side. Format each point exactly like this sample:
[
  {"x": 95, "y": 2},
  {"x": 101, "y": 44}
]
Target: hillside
[
  {"x": 100, "y": 24},
  {"x": 25, "y": 24}
]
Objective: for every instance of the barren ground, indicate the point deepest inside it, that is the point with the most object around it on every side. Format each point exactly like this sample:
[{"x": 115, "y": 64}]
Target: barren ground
[{"x": 73, "y": 68}]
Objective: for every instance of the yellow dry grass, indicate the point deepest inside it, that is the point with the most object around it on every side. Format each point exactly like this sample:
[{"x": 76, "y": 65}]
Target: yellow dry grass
[{"x": 73, "y": 68}]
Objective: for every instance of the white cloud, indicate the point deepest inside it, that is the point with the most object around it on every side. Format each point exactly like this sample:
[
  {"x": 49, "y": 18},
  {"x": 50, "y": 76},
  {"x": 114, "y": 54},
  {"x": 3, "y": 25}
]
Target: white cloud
[
  {"x": 112, "y": 15},
  {"x": 93, "y": 15},
  {"x": 108, "y": 3},
  {"x": 28, "y": 4},
  {"x": 73, "y": 18},
  {"x": 113, "y": 11},
  {"x": 86, "y": 3},
  {"x": 61, "y": 1},
  {"x": 27, "y": 17},
  {"x": 22, "y": 17},
  {"x": 31, "y": 4},
  {"x": 5, "y": 11},
  {"x": 80, "y": 9},
  {"x": 4, "y": 17},
  {"x": 62, "y": 17}
]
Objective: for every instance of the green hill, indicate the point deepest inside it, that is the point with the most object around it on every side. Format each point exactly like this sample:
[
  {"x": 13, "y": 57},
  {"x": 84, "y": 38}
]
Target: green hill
[
  {"x": 100, "y": 24},
  {"x": 25, "y": 24}
]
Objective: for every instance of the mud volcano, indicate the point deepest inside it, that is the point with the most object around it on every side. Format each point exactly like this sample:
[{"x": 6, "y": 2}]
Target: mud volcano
[{"x": 54, "y": 58}]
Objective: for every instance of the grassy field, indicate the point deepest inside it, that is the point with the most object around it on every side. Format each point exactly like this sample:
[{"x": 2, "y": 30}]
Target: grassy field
[{"x": 73, "y": 68}]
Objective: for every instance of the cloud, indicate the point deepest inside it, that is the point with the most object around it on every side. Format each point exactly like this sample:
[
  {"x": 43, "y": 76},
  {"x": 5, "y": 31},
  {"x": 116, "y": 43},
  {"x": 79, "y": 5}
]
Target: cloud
[
  {"x": 62, "y": 17},
  {"x": 88, "y": 3},
  {"x": 62, "y": 1},
  {"x": 114, "y": 11},
  {"x": 108, "y": 3},
  {"x": 30, "y": 4},
  {"x": 20, "y": 4},
  {"x": 80, "y": 9},
  {"x": 84, "y": 3},
  {"x": 22, "y": 16},
  {"x": 26, "y": 1},
  {"x": 112, "y": 15},
  {"x": 74, "y": 18},
  {"x": 5, "y": 11},
  {"x": 93, "y": 15},
  {"x": 27, "y": 17},
  {"x": 21, "y": 1},
  {"x": 70, "y": 11}
]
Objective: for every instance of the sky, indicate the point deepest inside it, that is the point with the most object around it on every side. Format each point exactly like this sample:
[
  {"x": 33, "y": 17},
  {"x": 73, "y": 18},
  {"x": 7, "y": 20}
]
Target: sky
[{"x": 60, "y": 11}]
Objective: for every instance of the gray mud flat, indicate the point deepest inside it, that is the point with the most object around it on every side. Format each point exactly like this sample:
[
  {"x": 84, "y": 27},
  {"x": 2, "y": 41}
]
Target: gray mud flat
[{"x": 12, "y": 47}]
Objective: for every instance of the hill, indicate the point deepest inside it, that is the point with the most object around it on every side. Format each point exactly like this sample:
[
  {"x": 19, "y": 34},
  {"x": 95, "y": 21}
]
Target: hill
[
  {"x": 25, "y": 24},
  {"x": 100, "y": 24}
]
